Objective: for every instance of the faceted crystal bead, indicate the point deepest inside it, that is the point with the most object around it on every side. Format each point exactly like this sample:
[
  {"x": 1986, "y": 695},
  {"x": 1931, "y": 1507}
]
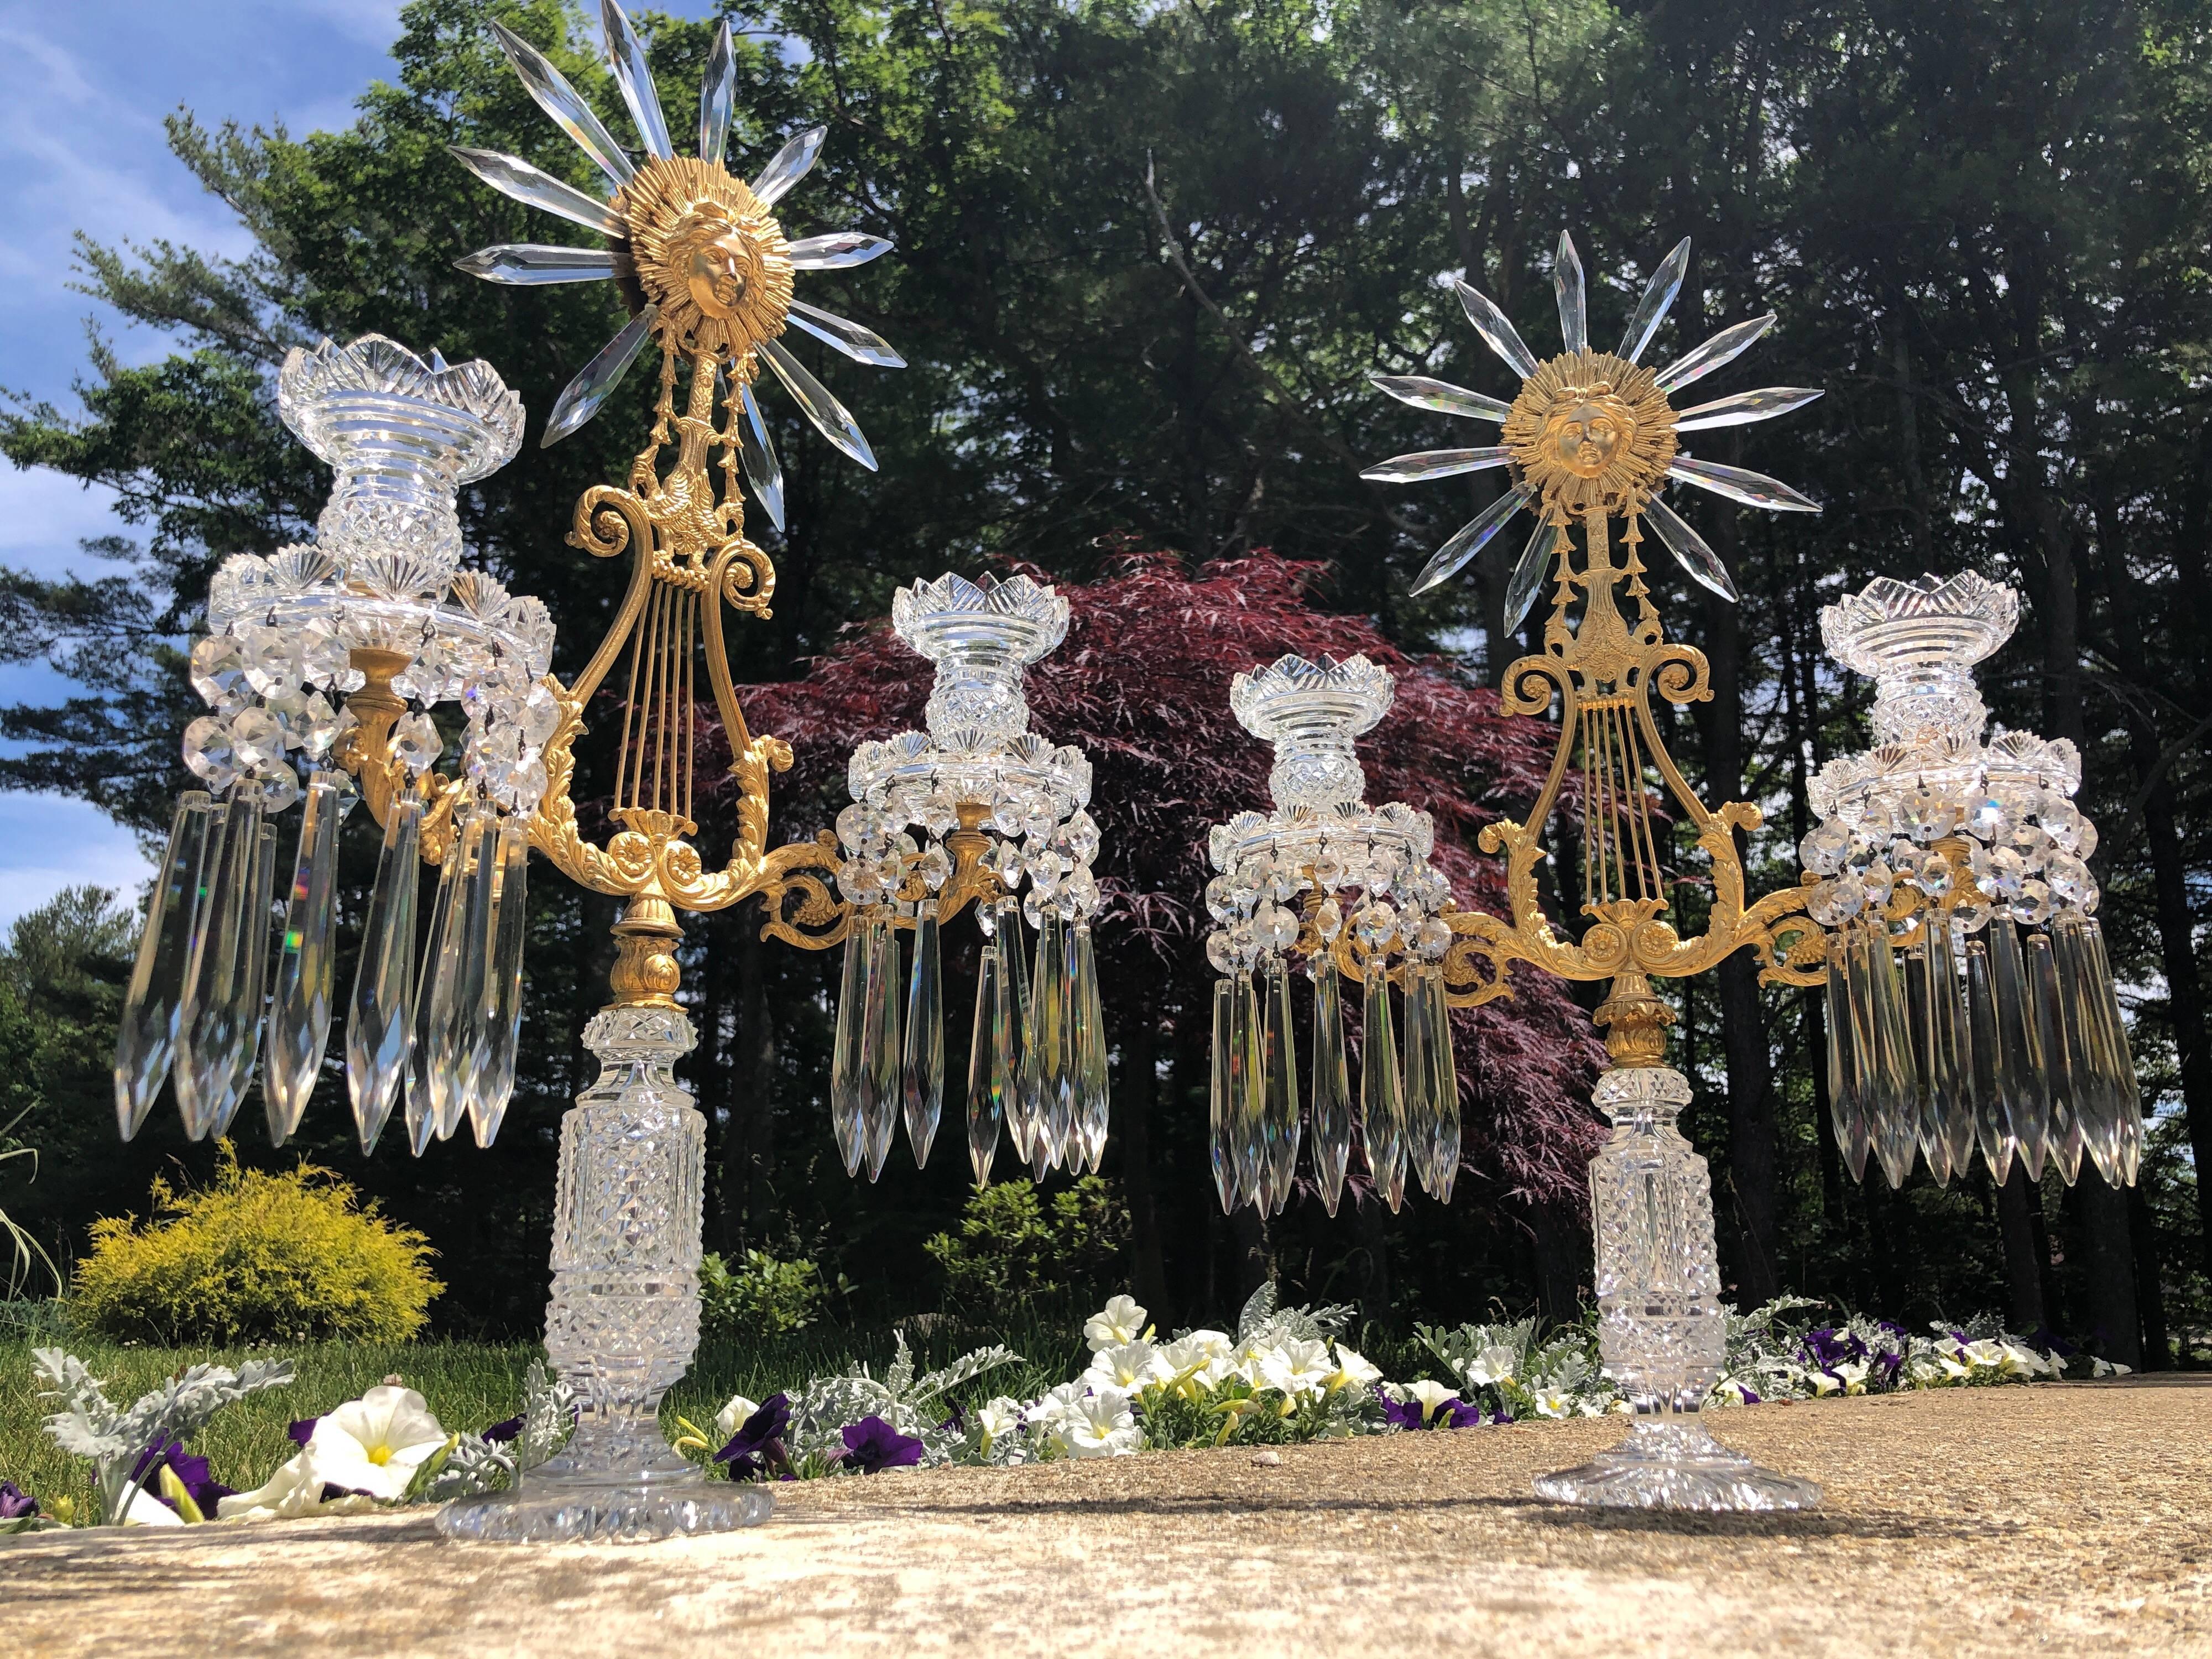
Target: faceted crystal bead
[
  {"x": 2008, "y": 870},
  {"x": 209, "y": 752},
  {"x": 2062, "y": 821},
  {"x": 273, "y": 785},
  {"x": 1221, "y": 952},
  {"x": 1985, "y": 818},
  {"x": 1275, "y": 929},
  {"x": 2032, "y": 907},
  {"x": 416, "y": 741},
  {"x": 1824, "y": 848},
  {"x": 1934, "y": 876},
  {"x": 256, "y": 737},
  {"x": 2070, "y": 878},
  {"x": 218, "y": 671},
  {"x": 317, "y": 727},
  {"x": 1376, "y": 923},
  {"x": 1835, "y": 901},
  {"x": 539, "y": 716},
  {"x": 326, "y": 660},
  {"x": 1928, "y": 816},
  {"x": 936, "y": 868},
  {"x": 1879, "y": 882},
  {"x": 1329, "y": 920},
  {"x": 1081, "y": 837},
  {"x": 272, "y": 660}
]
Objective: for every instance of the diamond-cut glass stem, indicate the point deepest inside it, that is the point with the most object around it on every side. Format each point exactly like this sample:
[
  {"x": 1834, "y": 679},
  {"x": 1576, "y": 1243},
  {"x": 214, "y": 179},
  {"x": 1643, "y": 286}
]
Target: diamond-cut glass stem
[
  {"x": 623, "y": 1322},
  {"x": 1661, "y": 1323}
]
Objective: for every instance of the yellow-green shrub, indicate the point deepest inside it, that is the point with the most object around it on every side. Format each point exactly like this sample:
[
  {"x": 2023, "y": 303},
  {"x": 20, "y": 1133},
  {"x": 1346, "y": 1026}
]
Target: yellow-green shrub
[{"x": 291, "y": 1256}]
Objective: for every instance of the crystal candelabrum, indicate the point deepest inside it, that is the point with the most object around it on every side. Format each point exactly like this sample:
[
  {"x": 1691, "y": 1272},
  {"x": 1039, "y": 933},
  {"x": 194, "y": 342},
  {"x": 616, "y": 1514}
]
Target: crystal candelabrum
[
  {"x": 378, "y": 611},
  {"x": 996, "y": 804},
  {"x": 1591, "y": 438},
  {"x": 1349, "y": 889},
  {"x": 1969, "y": 999}
]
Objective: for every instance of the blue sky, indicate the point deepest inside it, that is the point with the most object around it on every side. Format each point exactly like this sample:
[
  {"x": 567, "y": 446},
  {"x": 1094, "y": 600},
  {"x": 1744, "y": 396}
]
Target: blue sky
[{"x": 81, "y": 148}]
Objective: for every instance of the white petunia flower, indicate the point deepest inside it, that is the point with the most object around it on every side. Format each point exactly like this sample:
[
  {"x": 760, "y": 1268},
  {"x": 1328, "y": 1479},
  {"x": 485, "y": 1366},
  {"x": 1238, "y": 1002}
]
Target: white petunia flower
[
  {"x": 374, "y": 1444},
  {"x": 732, "y": 1417},
  {"x": 1493, "y": 1365},
  {"x": 2107, "y": 1368},
  {"x": 1127, "y": 1366},
  {"x": 296, "y": 1488},
  {"x": 1431, "y": 1394},
  {"x": 996, "y": 1418},
  {"x": 145, "y": 1510},
  {"x": 1121, "y": 1321},
  {"x": 1101, "y": 1426},
  {"x": 1988, "y": 1352},
  {"x": 1352, "y": 1371},
  {"x": 1296, "y": 1368},
  {"x": 1554, "y": 1402}
]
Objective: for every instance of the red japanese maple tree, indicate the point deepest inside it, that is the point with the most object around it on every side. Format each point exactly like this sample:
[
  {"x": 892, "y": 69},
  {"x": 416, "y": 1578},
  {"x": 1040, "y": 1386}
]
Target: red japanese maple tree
[{"x": 1142, "y": 684}]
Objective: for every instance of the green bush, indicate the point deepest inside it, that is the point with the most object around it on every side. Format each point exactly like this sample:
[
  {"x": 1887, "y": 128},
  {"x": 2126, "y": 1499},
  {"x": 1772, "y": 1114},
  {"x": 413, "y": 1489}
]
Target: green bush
[
  {"x": 760, "y": 1296},
  {"x": 292, "y": 1257},
  {"x": 1013, "y": 1249}
]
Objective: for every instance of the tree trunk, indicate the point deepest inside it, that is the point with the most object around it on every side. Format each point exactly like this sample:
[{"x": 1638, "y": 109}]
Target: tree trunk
[
  {"x": 2027, "y": 1256},
  {"x": 749, "y": 1142},
  {"x": 1134, "y": 1095}
]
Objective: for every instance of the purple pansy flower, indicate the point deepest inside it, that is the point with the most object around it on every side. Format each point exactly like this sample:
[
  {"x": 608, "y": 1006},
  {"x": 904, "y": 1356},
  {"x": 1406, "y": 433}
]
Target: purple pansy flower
[
  {"x": 1401, "y": 1413},
  {"x": 190, "y": 1471},
  {"x": 872, "y": 1444},
  {"x": 302, "y": 1432},
  {"x": 1458, "y": 1414},
  {"x": 15, "y": 1504},
  {"x": 500, "y": 1432},
  {"x": 758, "y": 1445}
]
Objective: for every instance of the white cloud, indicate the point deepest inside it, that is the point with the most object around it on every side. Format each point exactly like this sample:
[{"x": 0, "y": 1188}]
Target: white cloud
[{"x": 48, "y": 842}]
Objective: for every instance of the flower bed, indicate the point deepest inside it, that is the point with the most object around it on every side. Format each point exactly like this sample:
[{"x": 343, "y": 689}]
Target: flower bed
[{"x": 1285, "y": 1374}]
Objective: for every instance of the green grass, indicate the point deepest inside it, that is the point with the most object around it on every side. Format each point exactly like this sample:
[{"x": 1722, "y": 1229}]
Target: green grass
[{"x": 468, "y": 1385}]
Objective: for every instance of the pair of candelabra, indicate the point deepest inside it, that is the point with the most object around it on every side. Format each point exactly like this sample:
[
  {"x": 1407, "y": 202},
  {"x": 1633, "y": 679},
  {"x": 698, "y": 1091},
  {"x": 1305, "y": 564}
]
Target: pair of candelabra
[{"x": 334, "y": 659}]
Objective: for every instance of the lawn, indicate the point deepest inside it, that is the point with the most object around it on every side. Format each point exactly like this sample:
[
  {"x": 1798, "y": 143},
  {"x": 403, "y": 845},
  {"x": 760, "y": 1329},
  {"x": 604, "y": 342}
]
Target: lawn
[{"x": 468, "y": 1385}]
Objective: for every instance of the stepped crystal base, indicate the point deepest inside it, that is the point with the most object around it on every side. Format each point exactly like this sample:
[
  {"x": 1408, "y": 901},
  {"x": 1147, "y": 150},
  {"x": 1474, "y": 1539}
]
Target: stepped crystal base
[
  {"x": 577, "y": 1499},
  {"x": 1676, "y": 1466}
]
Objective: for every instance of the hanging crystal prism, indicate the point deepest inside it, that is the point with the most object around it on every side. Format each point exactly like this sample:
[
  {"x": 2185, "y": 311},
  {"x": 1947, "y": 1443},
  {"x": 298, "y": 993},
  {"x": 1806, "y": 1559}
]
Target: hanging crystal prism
[
  {"x": 2020, "y": 1060},
  {"x": 1280, "y": 1123},
  {"x": 984, "y": 1100},
  {"x": 925, "y": 1038},
  {"x": 1846, "y": 1068},
  {"x": 1022, "y": 1098},
  {"x": 379, "y": 1017},
  {"x": 1222, "y": 1118},
  {"x": 503, "y": 998},
  {"x": 299, "y": 1016},
  {"x": 208, "y": 1023},
  {"x": 146, "y": 1039},
  {"x": 1439, "y": 1139},
  {"x": 1044, "y": 1060},
  {"x": 2049, "y": 1021},
  {"x": 1332, "y": 1087},
  {"x": 1993, "y": 1128},
  {"x": 1949, "y": 1057},
  {"x": 1418, "y": 1082},
  {"x": 1382, "y": 1094},
  {"x": 1920, "y": 1019},
  {"x": 1094, "y": 1088},
  {"x": 883, "y": 1096},
  {"x": 434, "y": 994},
  {"x": 846, "y": 1076},
  {"x": 251, "y": 985}
]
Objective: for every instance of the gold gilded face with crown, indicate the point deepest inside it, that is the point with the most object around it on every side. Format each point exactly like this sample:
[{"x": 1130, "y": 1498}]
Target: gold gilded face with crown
[
  {"x": 1590, "y": 430},
  {"x": 706, "y": 251}
]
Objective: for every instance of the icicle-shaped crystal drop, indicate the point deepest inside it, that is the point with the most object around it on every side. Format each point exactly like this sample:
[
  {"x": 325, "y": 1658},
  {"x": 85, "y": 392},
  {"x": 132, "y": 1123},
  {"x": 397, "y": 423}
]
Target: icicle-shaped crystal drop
[
  {"x": 502, "y": 999},
  {"x": 2020, "y": 1060},
  {"x": 1993, "y": 1127},
  {"x": 1280, "y": 1062},
  {"x": 846, "y": 1076},
  {"x": 252, "y": 985},
  {"x": 1222, "y": 1119},
  {"x": 2049, "y": 1013},
  {"x": 1443, "y": 1158},
  {"x": 2108, "y": 1041},
  {"x": 299, "y": 1012},
  {"x": 379, "y": 1017},
  {"x": 146, "y": 1038},
  {"x": 1878, "y": 1011},
  {"x": 1332, "y": 1086},
  {"x": 1094, "y": 1085},
  {"x": 882, "y": 1052},
  {"x": 1914, "y": 970},
  {"x": 925, "y": 1038},
  {"x": 207, "y": 1024},
  {"x": 1381, "y": 1097},
  {"x": 1846, "y": 1075},
  {"x": 472, "y": 1031},
  {"x": 1022, "y": 1102},
  {"x": 1045, "y": 1068},
  {"x": 1068, "y": 1111},
  {"x": 434, "y": 994},
  {"x": 984, "y": 1101},
  {"x": 1007, "y": 1015},
  {"x": 1946, "y": 1046},
  {"x": 1248, "y": 1091},
  {"x": 1417, "y": 1080}
]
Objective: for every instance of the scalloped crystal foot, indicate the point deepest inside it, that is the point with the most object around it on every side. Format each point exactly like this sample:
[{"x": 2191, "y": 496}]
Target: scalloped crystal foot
[
  {"x": 1676, "y": 1466},
  {"x": 579, "y": 1510}
]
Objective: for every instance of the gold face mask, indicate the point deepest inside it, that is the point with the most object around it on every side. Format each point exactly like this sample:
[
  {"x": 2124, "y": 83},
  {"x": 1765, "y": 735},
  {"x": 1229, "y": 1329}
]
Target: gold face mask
[
  {"x": 1585, "y": 436},
  {"x": 717, "y": 272}
]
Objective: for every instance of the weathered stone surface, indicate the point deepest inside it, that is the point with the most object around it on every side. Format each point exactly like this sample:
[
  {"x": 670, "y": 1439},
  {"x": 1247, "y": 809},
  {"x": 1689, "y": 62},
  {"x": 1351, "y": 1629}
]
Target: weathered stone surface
[{"x": 2060, "y": 1519}]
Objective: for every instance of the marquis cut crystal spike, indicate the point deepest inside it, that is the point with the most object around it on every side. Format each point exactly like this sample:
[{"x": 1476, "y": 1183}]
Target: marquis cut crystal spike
[
  {"x": 1567, "y": 287},
  {"x": 1469, "y": 540},
  {"x": 1739, "y": 484},
  {"x": 1724, "y": 348},
  {"x": 829, "y": 416},
  {"x": 1690, "y": 548},
  {"x": 1657, "y": 298},
  {"x": 528, "y": 264},
  {"x": 862, "y": 345},
  {"x": 1442, "y": 396},
  {"x": 788, "y": 166},
  {"x": 596, "y": 381},
  {"x": 633, "y": 75},
  {"x": 513, "y": 176},
  {"x": 561, "y": 101},
  {"x": 718, "y": 96},
  {"x": 1435, "y": 463},
  {"x": 838, "y": 250}
]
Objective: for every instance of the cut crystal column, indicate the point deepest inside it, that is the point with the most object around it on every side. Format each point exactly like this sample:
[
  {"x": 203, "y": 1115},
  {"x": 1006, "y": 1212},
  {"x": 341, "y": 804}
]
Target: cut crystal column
[
  {"x": 146, "y": 1038},
  {"x": 427, "y": 1078},
  {"x": 251, "y": 987},
  {"x": 1444, "y": 1128},
  {"x": 1846, "y": 1074}
]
